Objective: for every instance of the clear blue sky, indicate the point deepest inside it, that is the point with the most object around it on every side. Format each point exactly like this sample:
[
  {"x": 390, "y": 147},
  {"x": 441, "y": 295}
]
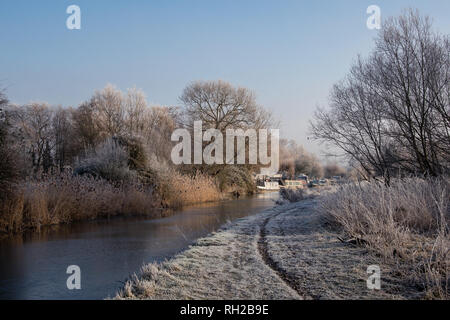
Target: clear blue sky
[{"x": 289, "y": 52}]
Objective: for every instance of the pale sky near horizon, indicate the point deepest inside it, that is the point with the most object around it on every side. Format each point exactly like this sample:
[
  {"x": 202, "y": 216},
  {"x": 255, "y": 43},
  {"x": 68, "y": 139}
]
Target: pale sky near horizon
[{"x": 289, "y": 53}]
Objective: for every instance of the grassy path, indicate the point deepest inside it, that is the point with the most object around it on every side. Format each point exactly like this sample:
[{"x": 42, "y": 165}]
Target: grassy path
[{"x": 281, "y": 253}]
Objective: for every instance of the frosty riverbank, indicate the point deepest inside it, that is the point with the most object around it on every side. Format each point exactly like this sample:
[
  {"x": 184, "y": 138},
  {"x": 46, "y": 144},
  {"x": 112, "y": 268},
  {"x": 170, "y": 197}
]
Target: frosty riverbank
[{"x": 282, "y": 253}]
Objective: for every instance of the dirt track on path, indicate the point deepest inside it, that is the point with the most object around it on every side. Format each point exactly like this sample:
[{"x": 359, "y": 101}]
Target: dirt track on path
[{"x": 281, "y": 253}]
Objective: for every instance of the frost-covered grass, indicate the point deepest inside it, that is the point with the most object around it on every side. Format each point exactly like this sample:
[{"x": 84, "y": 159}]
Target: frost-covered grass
[
  {"x": 406, "y": 224},
  {"x": 229, "y": 264},
  {"x": 323, "y": 266},
  {"x": 225, "y": 265}
]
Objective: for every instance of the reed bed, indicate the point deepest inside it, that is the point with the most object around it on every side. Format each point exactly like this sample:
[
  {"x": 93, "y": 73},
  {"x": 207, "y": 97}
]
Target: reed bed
[
  {"x": 177, "y": 189},
  {"x": 67, "y": 198}
]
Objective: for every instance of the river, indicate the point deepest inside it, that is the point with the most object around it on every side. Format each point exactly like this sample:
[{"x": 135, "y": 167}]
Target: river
[{"x": 34, "y": 266}]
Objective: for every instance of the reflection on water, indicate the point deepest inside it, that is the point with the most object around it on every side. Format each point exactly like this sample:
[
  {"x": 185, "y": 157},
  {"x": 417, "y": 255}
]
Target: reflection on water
[{"x": 34, "y": 266}]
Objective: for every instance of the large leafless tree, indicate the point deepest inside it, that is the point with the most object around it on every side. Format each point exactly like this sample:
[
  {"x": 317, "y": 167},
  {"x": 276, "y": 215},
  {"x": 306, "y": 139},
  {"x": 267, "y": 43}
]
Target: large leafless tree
[
  {"x": 220, "y": 105},
  {"x": 391, "y": 113}
]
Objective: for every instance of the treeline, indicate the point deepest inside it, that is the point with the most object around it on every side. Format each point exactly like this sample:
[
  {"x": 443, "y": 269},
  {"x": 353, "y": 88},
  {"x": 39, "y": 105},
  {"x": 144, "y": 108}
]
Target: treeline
[
  {"x": 295, "y": 160},
  {"x": 107, "y": 157},
  {"x": 112, "y": 155},
  {"x": 48, "y": 139},
  {"x": 391, "y": 114}
]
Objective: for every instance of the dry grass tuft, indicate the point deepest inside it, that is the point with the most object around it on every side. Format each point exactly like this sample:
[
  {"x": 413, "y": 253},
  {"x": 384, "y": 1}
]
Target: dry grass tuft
[
  {"x": 177, "y": 189},
  {"x": 406, "y": 224}
]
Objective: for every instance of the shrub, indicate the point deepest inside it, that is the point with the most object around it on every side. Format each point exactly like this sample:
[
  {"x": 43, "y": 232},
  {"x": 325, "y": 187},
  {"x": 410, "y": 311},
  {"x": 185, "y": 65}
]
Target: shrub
[
  {"x": 137, "y": 158},
  {"x": 235, "y": 178},
  {"x": 108, "y": 161},
  {"x": 292, "y": 195}
]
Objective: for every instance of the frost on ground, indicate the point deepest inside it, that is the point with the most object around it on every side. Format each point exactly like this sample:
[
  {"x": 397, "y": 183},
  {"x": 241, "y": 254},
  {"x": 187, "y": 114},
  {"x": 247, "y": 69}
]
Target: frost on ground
[
  {"x": 225, "y": 265},
  {"x": 320, "y": 264},
  {"x": 281, "y": 253}
]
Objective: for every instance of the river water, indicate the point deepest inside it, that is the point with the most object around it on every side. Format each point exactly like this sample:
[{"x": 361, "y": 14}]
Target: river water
[{"x": 108, "y": 252}]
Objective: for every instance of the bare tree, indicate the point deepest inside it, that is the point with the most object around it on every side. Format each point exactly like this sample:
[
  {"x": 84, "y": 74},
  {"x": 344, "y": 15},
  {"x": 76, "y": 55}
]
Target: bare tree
[
  {"x": 219, "y": 105},
  {"x": 34, "y": 122},
  {"x": 110, "y": 110},
  {"x": 109, "y": 113},
  {"x": 3, "y": 100},
  {"x": 135, "y": 106},
  {"x": 66, "y": 146},
  {"x": 355, "y": 124},
  {"x": 8, "y": 169},
  {"x": 159, "y": 124},
  {"x": 391, "y": 112},
  {"x": 86, "y": 127}
]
